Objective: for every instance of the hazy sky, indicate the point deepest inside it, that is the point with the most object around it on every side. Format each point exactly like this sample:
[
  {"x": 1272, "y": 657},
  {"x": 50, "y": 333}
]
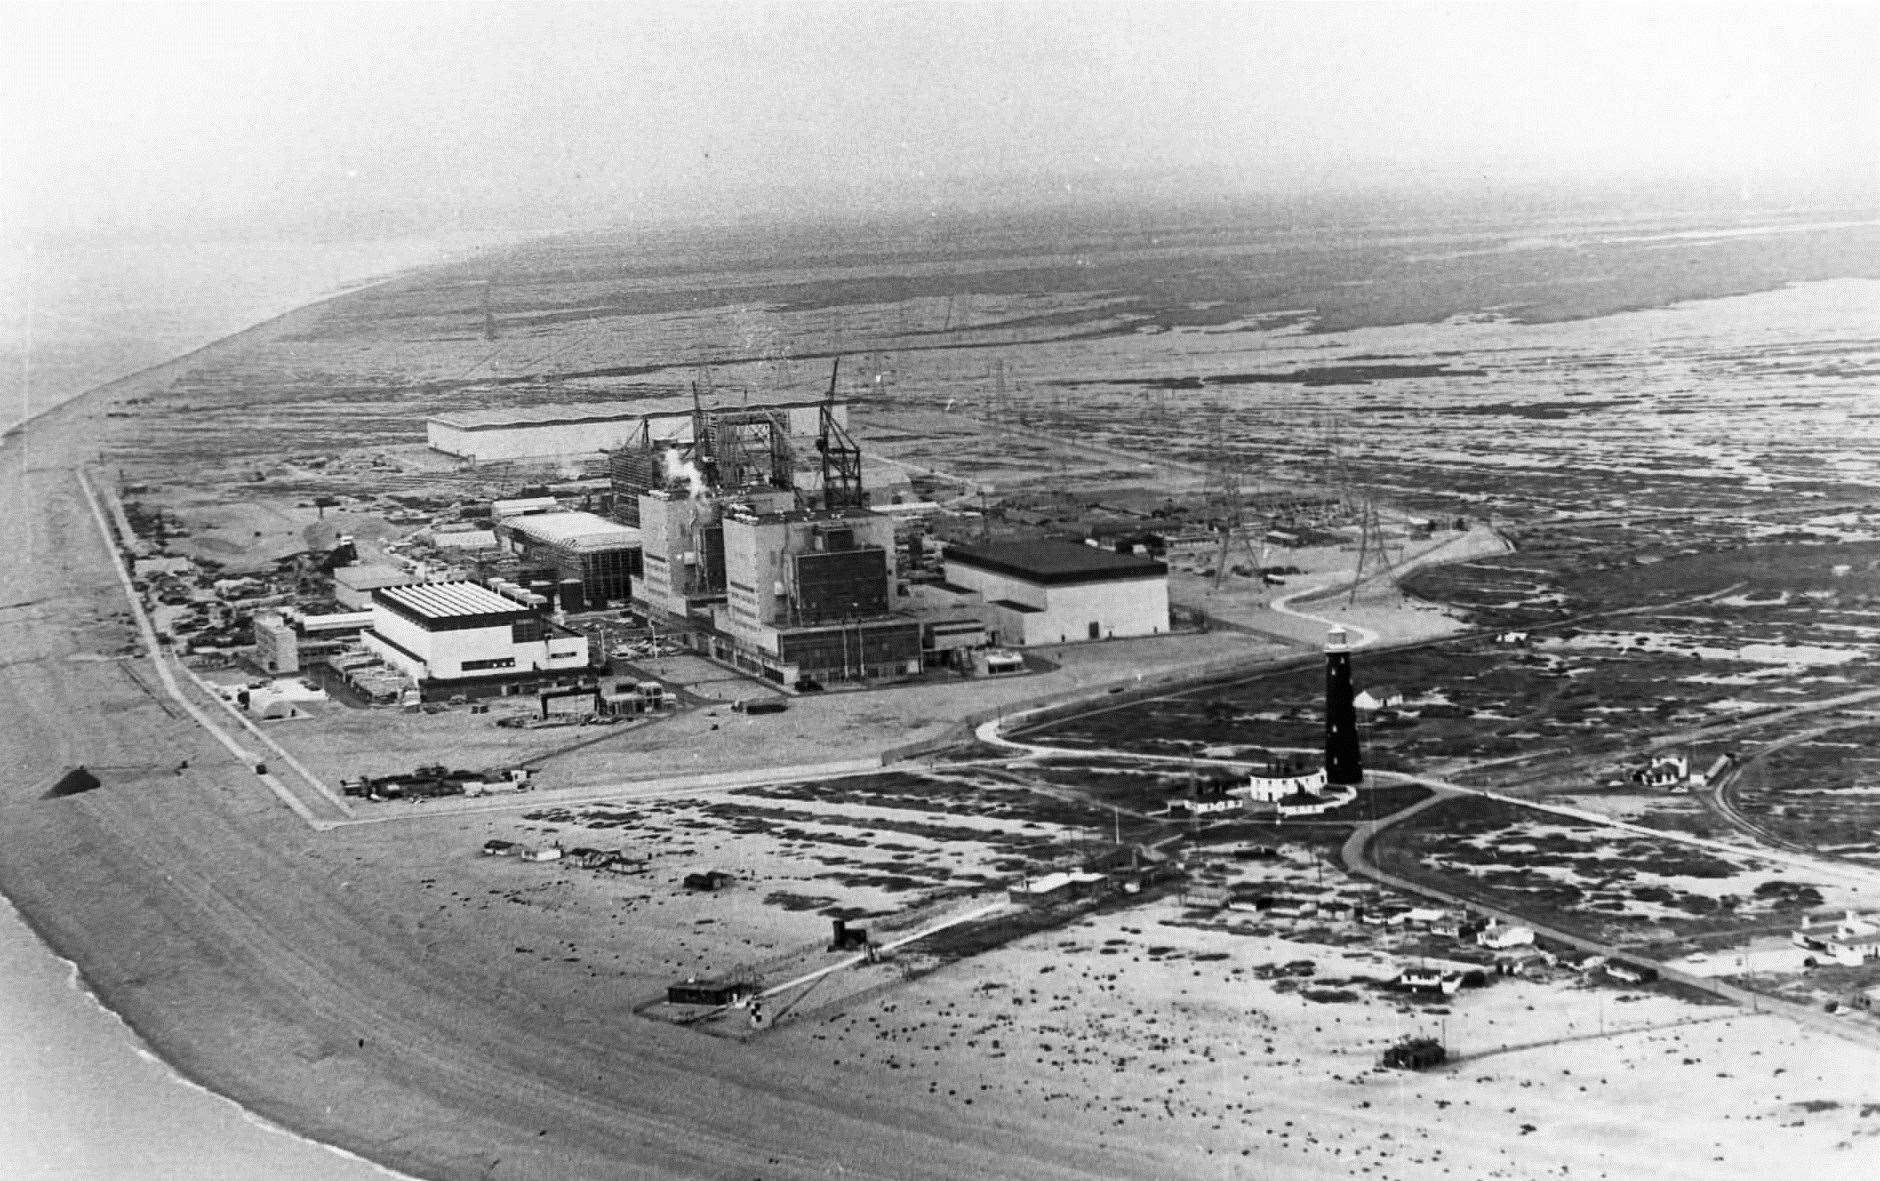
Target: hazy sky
[{"x": 178, "y": 116}]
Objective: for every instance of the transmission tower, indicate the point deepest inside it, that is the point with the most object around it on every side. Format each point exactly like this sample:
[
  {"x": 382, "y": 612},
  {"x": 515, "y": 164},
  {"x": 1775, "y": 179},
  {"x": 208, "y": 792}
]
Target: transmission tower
[
  {"x": 1226, "y": 504},
  {"x": 1002, "y": 411},
  {"x": 1371, "y": 541},
  {"x": 1223, "y": 478},
  {"x": 1338, "y": 465}
]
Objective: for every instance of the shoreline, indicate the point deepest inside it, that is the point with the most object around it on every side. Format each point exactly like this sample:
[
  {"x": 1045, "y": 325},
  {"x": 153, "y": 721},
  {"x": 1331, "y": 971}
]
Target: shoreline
[
  {"x": 92, "y": 313},
  {"x": 260, "y": 330},
  {"x": 126, "y": 1035}
]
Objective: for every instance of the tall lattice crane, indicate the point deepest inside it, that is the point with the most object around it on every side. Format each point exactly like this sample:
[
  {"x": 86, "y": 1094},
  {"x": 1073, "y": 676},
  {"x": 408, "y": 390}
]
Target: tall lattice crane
[{"x": 841, "y": 456}]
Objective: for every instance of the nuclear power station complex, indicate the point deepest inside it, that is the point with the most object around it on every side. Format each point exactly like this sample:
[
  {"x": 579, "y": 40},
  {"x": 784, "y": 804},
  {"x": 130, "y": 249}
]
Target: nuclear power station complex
[{"x": 753, "y": 533}]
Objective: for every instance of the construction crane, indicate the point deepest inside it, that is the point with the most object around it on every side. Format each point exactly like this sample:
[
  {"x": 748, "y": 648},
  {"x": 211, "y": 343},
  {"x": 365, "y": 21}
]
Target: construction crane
[
  {"x": 841, "y": 456},
  {"x": 704, "y": 456}
]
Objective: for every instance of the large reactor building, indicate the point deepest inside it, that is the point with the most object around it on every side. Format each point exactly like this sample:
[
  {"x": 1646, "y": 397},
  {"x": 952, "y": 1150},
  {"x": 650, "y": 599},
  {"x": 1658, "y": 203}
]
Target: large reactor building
[{"x": 778, "y": 569}]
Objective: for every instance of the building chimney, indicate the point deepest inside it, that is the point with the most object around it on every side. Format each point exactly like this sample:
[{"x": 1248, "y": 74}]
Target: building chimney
[{"x": 1342, "y": 765}]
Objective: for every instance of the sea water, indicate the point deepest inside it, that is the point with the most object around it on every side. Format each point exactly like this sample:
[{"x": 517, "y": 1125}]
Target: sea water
[
  {"x": 77, "y": 313},
  {"x": 82, "y": 1099}
]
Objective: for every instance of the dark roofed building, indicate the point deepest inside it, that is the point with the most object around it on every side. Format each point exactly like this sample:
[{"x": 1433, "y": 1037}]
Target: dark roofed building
[{"x": 1055, "y": 592}]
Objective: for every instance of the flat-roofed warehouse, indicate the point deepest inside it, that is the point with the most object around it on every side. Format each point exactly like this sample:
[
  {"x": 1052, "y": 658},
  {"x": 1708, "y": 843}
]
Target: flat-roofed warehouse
[
  {"x": 1056, "y": 592},
  {"x": 549, "y": 431},
  {"x": 602, "y": 555},
  {"x": 463, "y": 637}
]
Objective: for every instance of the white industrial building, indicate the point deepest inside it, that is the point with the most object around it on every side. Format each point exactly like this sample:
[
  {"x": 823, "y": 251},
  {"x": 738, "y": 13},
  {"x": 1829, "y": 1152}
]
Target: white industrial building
[
  {"x": 1056, "y": 592},
  {"x": 549, "y": 431},
  {"x": 465, "y": 637}
]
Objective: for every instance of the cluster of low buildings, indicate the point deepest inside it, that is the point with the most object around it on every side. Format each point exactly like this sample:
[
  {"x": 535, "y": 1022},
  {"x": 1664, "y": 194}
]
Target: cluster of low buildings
[
  {"x": 194, "y": 609},
  {"x": 616, "y": 861},
  {"x": 1500, "y": 949},
  {"x": 1673, "y": 772},
  {"x": 1850, "y": 941}
]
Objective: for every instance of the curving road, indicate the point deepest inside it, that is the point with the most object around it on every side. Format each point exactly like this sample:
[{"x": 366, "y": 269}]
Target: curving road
[
  {"x": 1361, "y": 636},
  {"x": 1364, "y": 637}
]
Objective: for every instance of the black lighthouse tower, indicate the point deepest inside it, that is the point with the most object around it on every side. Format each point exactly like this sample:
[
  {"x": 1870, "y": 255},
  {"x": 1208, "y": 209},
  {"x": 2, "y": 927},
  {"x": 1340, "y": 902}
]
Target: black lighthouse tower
[{"x": 1342, "y": 765}]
